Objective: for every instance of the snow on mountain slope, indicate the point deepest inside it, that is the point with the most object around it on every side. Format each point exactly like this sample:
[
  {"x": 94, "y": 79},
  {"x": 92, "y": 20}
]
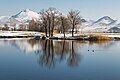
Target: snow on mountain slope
[
  {"x": 105, "y": 21},
  {"x": 26, "y": 16},
  {"x": 19, "y": 20},
  {"x": 4, "y": 19},
  {"x": 103, "y": 24},
  {"x": 95, "y": 29},
  {"x": 22, "y": 17}
]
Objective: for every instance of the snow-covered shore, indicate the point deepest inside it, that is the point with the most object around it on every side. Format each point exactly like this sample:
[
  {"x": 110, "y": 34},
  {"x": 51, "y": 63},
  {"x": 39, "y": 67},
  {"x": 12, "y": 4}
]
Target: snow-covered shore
[
  {"x": 87, "y": 34},
  {"x": 112, "y": 35},
  {"x": 27, "y": 34},
  {"x": 20, "y": 33}
]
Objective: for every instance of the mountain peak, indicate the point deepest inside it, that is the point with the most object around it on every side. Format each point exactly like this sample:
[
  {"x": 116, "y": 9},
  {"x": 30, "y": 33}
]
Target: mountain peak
[
  {"x": 105, "y": 20},
  {"x": 27, "y": 10},
  {"x": 26, "y": 15}
]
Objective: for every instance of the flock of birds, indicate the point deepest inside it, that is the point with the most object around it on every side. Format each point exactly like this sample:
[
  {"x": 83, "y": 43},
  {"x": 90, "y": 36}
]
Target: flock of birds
[{"x": 92, "y": 50}]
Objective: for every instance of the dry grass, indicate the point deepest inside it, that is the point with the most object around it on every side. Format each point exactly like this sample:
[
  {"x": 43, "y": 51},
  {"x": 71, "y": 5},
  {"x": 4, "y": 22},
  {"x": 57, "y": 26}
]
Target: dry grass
[{"x": 99, "y": 37}]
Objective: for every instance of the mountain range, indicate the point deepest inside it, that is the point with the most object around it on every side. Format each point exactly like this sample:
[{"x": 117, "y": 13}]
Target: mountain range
[
  {"x": 103, "y": 24},
  {"x": 20, "y": 19}
]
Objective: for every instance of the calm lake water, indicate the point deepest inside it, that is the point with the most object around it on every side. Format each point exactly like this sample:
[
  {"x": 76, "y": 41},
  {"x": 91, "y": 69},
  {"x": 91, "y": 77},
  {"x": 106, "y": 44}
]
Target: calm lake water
[{"x": 59, "y": 60}]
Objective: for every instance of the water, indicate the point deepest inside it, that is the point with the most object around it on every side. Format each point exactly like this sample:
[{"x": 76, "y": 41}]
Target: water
[{"x": 59, "y": 60}]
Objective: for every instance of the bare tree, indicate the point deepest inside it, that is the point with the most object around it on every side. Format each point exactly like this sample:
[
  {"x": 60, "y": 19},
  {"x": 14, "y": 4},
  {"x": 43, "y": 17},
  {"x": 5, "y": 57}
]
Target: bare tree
[
  {"x": 45, "y": 25},
  {"x": 49, "y": 17},
  {"x": 54, "y": 16},
  {"x": 34, "y": 26},
  {"x": 44, "y": 21},
  {"x": 74, "y": 19},
  {"x": 64, "y": 24}
]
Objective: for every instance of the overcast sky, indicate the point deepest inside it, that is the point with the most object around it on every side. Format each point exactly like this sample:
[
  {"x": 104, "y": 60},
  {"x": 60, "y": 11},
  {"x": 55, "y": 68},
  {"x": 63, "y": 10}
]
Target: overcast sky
[{"x": 90, "y": 9}]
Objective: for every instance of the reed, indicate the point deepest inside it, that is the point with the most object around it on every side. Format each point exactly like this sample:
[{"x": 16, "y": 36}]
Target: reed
[{"x": 99, "y": 37}]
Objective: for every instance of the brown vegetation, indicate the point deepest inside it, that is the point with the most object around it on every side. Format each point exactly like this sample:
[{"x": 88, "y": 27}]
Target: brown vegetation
[{"x": 98, "y": 37}]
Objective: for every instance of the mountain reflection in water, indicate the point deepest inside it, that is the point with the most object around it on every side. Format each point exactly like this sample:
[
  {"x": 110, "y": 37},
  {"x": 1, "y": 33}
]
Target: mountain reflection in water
[{"x": 52, "y": 52}]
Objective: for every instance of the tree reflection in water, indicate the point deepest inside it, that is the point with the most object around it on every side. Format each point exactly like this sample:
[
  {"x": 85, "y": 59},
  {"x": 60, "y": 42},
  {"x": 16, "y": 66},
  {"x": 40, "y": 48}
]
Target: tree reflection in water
[
  {"x": 58, "y": 51},
  {"x": 47, "y": 57},
  {"x": 74, "y": 58},
  {"x": 52, "y": 52}
]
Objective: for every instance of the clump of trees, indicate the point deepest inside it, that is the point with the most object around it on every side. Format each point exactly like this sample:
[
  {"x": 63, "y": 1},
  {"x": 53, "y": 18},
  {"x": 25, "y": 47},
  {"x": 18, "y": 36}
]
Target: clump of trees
[
  {"x": 49, "y": 19},
  {"x": 53, "y": 20},
  {"x": 34, "y": 26},
  {"x": 5, "y": 28}
]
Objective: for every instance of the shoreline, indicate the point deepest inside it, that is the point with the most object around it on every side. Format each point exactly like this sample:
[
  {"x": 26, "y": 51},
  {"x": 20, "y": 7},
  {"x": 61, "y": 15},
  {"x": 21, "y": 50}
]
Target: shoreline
[{"x": 59, "y": 36}]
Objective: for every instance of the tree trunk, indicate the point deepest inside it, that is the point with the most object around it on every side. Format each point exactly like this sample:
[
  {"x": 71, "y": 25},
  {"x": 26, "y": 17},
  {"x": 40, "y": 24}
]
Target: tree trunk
[
  {"x": 52, "y": 26},
  {"x": 64, "y": 32},
  {"x": 52, "y": 32},
  {"x": 63, "y": 29},
  {"x": 73, "y": 31},
  {"x": 49, "y": 27},
  {"x": 46, "y": 30}
]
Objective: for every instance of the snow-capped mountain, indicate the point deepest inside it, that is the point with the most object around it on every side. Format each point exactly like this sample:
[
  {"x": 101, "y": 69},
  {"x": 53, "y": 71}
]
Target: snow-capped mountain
[
  {"x": 104, "y": 24},
  {"x": 19, "y": 20},
  {"x": 22, "y": 17},
  {"x": 105, "y": 21},
  {"x": 26, "y": 16}
]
